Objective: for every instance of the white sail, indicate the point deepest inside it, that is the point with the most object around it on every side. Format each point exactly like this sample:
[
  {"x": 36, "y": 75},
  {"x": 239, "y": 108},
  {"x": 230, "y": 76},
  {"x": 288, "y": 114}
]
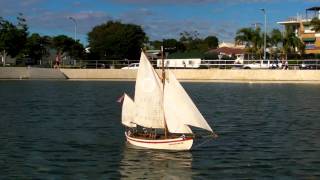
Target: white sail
[
  {"x": 180, "y": 111},
  {"x": 128, "y": 112},
  {"x": 148, "y": 96}
]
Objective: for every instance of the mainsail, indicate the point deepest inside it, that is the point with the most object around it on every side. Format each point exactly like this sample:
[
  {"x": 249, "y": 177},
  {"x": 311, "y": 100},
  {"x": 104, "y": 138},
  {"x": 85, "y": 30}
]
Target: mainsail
[
  {"x": 148, "y": 96},
  {"x": 180, "y": 111},
  {"x": 128, "y": 112}
]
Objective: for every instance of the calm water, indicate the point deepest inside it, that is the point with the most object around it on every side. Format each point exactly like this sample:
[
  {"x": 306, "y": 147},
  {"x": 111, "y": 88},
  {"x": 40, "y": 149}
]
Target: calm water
[{"x": 72, "y": 130}]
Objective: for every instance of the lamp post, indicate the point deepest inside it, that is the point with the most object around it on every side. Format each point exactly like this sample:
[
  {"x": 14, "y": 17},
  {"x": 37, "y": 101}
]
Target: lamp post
[
  {"x": 265, "y": 33},
  {"x": 75, "y": 27}
]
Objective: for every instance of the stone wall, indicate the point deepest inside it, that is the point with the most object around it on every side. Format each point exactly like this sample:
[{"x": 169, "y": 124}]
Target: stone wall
[
  {"x": 303, "y": 76},
  {"x": 30, "y": 73},
  {"x": 203, "y": 75}
]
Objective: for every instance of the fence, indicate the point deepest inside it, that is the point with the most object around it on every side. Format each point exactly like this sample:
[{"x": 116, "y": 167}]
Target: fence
[{"x": 205, "y": 64}]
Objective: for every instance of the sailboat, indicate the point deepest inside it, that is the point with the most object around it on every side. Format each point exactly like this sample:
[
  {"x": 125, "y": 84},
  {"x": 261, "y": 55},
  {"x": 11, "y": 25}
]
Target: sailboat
[{"x": 161, "y": 114}]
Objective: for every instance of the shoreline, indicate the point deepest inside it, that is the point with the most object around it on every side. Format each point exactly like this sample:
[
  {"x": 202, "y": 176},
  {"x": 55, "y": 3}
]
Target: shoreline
[
  {"x": 266, "y": 76},
  {"x": 183, "y": 81}
]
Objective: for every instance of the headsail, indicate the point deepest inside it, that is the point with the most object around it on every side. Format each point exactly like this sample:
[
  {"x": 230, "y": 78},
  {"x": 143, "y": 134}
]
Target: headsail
[
  {"x": 148, "y": 96},
  {"x": 128, "y": 111},
  {"x": 180, "y": 111}
]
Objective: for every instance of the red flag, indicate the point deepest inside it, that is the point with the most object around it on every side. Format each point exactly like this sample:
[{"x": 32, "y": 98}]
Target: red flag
[{"x": 120, "y": 99}]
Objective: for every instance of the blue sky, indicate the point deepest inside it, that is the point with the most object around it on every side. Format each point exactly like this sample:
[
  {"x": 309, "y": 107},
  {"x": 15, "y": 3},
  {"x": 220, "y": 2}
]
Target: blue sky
[{"x": 160, "y": 19}]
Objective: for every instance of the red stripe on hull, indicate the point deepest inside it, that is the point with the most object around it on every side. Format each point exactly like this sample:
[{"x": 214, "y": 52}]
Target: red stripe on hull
[{"x": 185, "y": 139}]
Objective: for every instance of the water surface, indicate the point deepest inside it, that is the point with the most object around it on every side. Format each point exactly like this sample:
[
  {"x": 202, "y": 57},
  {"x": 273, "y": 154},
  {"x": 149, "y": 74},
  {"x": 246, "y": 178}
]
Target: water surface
[{"x": 72, "y": 130}]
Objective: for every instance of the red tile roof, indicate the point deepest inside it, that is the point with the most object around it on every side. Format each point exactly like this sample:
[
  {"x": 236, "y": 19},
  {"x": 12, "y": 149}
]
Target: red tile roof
[{"x": 228, "y": 50}]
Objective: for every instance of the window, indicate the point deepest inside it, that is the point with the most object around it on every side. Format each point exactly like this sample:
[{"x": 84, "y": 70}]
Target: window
[
  {"x": 310, "y": 45},
  {"x": 308, "y": 29}
]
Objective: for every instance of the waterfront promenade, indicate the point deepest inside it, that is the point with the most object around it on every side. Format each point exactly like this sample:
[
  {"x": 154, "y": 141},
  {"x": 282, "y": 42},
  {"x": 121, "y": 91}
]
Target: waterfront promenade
[{"x": 201, "y": 75}]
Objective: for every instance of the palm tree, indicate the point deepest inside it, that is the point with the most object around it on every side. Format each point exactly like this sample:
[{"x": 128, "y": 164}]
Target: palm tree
[
  {"x": 315, "y": 23},
  {"x": 244, "y": 36},
  {"x": 257, "y": 42},
  {"x": 275, "y": 37},
  {"x": 251, "y": 38},
  {"x": 275, "y": 40},
  {"x": 291, "y": 42}
]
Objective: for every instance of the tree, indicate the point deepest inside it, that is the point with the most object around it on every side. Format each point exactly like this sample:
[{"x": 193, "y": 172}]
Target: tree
[
  {"x": 275, "y": 37},
  {"x": 191, "y": 40},
  {"x": 12, "y": 37},
  {"x": 274, "y": 41},
  {"x": 212, "y": 42},
  {"x": 291, "y": 42},
  {"x": 315, "y": 23},
  {"x": 170, "y": 45},
  {"x": 257, "y": 42},
  {"x": 251, "y": 38},
  {"x": 115, "y": 40},
  {"x": 62, "y": 43},
  {"x": 77, "y": 50},
  {"x": 37, "y": 46},
  {"x": 65, "y": 44},
  {"x": 244, "y": 36}
]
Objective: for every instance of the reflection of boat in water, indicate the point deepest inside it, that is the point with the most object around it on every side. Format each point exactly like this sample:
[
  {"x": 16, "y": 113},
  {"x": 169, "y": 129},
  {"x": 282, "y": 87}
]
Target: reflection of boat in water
[
  {"x": 162, "y": 113},
  {"x": 139, "y": 163}
]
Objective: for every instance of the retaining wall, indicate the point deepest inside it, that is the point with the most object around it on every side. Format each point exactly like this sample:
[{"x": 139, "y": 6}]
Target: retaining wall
[
  {"x": 203, "y": 75},
  {"x": 30, "y": 73},
  {"x": 302, "y": 76}
]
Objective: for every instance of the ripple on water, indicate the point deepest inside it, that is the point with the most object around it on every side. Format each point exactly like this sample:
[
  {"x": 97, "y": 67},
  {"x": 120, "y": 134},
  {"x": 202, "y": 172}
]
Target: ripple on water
[{"x": 72, "y": 130}]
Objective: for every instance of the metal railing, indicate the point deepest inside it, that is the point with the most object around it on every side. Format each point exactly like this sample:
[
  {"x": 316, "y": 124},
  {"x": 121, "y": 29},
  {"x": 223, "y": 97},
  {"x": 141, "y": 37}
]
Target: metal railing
[
  {"x": 205, "y": 64},
  {"x": 271, "y": 64},
  {"x": 313, "y": 64}
]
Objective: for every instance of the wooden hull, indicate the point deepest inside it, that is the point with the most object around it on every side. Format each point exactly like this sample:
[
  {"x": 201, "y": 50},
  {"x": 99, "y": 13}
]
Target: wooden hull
[{"x": 175, "y": 144}]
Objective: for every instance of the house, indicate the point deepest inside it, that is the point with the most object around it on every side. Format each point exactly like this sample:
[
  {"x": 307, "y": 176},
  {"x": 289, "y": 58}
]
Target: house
[
  {"x": 8, "y": 60},
  {"x": 303, "y": 29},
  {"x": 154, "y": 54},
  {"x": 229, "y": 49}
]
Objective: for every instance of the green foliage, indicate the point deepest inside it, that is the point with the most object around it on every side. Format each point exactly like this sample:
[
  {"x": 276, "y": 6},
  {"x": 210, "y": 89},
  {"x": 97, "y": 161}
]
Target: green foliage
[
  {"x": 188, "y": 54},
  {"x": 251, "y": 38},
  {"x": 170, "y": 45},
  {"x": 291, "y": 42},
  {"x": 114, "y": 40},
  {"x": 315, "y": 23},
  {"x": 275, "y": 37},
  {"x": 13, "y": 37},
  {"x": 190, "y": 45},
  {"x": 212, "y": 42},
  {"x": 211, "y": 55},
  {"x": 245, "y": 36},
  {"x": 62, "y": 43},
  {"x": 191, "y": 40},
  {"x": 14, "y": 41},
  {"x": 37, "y": 46},
  {"x": 68, "y": 45}
]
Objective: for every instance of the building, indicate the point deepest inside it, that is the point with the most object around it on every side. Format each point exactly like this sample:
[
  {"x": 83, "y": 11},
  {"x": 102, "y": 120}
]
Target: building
[
  {"x": 229, "y": 49},
  {"x": 303, "y": 29},
  {"x": 154, "y": 54},
  {"x": 231, "y": 45}
]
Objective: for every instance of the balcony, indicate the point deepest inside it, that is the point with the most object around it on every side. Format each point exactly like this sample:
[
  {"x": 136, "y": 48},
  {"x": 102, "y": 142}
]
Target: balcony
[{"x": 310, "y": 47}]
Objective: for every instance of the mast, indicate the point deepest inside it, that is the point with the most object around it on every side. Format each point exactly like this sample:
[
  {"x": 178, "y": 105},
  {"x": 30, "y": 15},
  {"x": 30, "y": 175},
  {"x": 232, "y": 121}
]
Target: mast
[
  {"x": 163, "y": 82},
  {"x": 162, "y": 68}
]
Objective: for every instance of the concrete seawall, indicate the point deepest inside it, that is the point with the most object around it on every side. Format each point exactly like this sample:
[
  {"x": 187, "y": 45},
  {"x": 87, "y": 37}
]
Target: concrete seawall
[
  {"x": 201, "y": 75},
  {"x": 30, "y": 73},
  {"x": 300, "y": 76}
]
